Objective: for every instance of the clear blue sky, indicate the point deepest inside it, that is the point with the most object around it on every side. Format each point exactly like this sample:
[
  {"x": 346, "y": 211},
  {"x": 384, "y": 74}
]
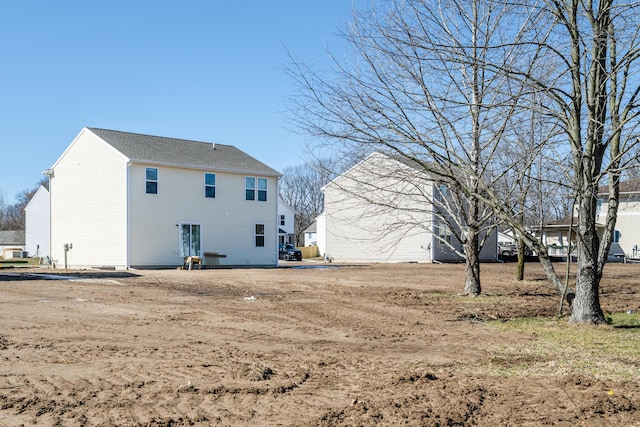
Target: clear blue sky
[{"x": 207, "y": 70}]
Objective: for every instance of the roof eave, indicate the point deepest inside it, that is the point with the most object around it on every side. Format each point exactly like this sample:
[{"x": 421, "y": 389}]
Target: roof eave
[{"x": 274, "y": 173}]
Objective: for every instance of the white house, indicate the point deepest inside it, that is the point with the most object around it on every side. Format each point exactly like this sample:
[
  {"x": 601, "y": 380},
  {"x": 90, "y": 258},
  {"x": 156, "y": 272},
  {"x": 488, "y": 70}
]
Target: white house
[
  {"x": 286, "y": 218},
  {"x": 311, "y": 235},
  {"x": 381, "y": 210},
  {"x": 626, "y": 238},
  {"x": 12, "y": 244},
  {"x": 125, "y": 200},
  {"x": 37, "y": 216}
]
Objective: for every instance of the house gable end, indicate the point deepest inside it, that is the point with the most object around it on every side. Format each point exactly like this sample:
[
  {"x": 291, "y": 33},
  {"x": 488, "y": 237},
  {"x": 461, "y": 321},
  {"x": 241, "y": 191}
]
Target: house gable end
[{"x": 78, "y": 140}]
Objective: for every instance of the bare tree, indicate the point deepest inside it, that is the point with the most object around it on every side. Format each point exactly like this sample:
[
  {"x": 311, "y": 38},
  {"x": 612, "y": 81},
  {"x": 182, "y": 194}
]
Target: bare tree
[
  {"x": 2, "y": 211},
  {"x": 428, "y": 84},
  {"x": 418, "y": 89},
  {"x": 301, "y": 188},
  {"x": 594, "y": 98}
]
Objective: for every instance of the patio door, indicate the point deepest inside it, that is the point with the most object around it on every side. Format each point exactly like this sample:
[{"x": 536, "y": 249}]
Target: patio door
[{"x": 190, "y": 239}]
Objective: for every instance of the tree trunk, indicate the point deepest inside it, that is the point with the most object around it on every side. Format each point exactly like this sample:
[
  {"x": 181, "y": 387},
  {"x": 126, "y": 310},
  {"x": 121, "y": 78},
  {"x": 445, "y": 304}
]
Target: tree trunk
[
  {"x": 586, "y": 305},
  {"x": 550, "y": 271},
  {"x": 472, "y": 264},
  {"x": 520, "y": 268}
]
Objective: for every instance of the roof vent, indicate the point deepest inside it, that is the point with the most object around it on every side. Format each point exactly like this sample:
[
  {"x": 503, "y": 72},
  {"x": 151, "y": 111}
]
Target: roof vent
[{"x": 213, "y": 145}]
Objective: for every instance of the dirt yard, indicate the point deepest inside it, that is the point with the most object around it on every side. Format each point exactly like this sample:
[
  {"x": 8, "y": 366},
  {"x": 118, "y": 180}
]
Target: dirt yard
[{"x": 345, "y": 345}]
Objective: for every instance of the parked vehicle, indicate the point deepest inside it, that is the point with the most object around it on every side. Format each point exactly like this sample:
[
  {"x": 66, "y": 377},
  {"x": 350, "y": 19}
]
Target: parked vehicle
[
  {"x": 506, "y": 249},
  {"x": 289, "y": 252}
]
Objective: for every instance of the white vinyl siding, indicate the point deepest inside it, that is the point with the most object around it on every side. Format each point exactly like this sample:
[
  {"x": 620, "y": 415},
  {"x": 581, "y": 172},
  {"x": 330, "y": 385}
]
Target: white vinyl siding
[
  {"x": 89, "y": 213},
  {"x": 227, "y": 225},
  {"x": 381, "y": 211},
  {"x": 100, "y": 205},
  {"x": 358, "y": 231},
  {"x": 627, "y": 230},
  {"x": 37, "y": 224}
]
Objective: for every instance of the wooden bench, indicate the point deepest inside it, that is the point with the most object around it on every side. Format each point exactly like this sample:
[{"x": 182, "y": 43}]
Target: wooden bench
[{"x": 213, "y": 259}]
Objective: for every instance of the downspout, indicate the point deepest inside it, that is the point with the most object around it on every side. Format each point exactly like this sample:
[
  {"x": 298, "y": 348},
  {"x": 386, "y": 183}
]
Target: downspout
[
  {"x": 49, "y": 174},
  {"x": 277, "y": 240},
  {"x": 127, "y": 255}
]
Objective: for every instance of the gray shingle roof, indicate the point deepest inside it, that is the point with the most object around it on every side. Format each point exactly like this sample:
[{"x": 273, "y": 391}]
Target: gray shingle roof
[
  {"x": 12, "y": 237},
  {"x": 626, "y": 187},
  {"x": 182, "y": 152}
]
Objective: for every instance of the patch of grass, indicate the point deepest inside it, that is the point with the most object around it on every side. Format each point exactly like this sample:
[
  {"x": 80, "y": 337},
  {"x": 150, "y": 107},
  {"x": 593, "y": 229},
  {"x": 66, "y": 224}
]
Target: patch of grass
[
  {"x": 559, "y": 347},
  {"x": 20, "y": 262},
  {"x": 624, "y": 320}
]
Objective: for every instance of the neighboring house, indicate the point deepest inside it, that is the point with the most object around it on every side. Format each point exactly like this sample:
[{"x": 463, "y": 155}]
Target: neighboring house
[
  {"x": 311, "y": 235},
  {"x": 12, "y": 244},
  {"x": 626, "y": 237},
  {"x": 124, "y": 200},
  {"x": 286, "y": 218},
  {"x": 558, "y": 239},
  {"x": 381, "y": 211},
  {"x": 37, "y": 217},
  {"x": 506, "y": 237}
]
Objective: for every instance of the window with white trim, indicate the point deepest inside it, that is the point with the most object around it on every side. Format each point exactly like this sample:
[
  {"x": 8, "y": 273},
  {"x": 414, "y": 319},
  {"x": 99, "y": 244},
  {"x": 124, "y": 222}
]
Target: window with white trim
[
  {"x": 259, "y": 235},
  {"x": 210, "y": 185},
  {"x": 250, "y": 188},
  {"x": 253, "y": 185},
  {"x": 151, "y": 180},
  {"x": 262, "y": 189}
]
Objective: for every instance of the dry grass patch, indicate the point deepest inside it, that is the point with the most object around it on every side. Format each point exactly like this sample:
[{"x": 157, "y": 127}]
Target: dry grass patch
[{"x": 559, "y": 348}]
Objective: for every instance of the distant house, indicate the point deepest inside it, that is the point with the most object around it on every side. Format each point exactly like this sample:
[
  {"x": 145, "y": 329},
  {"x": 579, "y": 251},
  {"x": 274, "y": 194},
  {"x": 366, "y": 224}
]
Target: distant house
[
  {"x": 627, "y": 233},
  {"x": 626, "y": 237},
  {"x": 382, "y": 210},
  {"x": 124, "y": 200},
  {"x": 311, "y": 235},
  {"x": 12, "y": 244},
  {"x": 286, "y": 223},
  {"x": 37, "y": 217}
]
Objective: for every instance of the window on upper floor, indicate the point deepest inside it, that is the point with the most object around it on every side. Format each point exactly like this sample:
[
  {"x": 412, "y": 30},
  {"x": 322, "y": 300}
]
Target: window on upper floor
[
  {"x": 253, "y": 184},
  {"x": 250, "y": 188},
  {"x": 210, "y": 185},
  {"x": 151, "y": 181},
  {"x": 259, "y": 235},
  {"x": 282, "y": 220},
  {"x": 262, "y": 189}
]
